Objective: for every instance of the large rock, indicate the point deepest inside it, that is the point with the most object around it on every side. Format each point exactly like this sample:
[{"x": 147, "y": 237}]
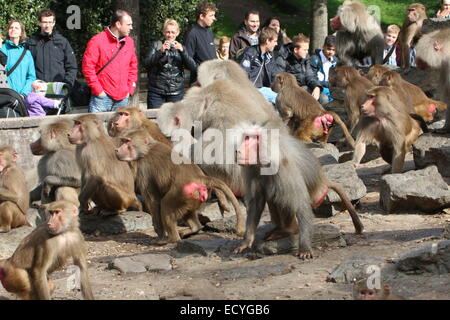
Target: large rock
[
  {"x": 325, "y": 156},
  {"x": 423, "y": 190},
  {"x": 345, "y": 175},
  {"x": 432, "y": 150},
  {"x": 354, "y": 267},
  {"x": 261, "y": 272},
  {"x": 434, "y": 258},
  {"x": 324, "y": 235},
  {"x": 446, "y": 233},
  {"x": 142, "y": 263},
  {"x": 122, "y": 223}
]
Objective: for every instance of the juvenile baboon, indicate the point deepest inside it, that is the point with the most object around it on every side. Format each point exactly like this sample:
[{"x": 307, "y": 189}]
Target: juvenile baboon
[
  {"x": 44, "y": 251},
  {"x": 172, "y": 191},
  {"x": 104, "y": 179},
  {"x": 130, "y": 118},
  {"x": 384, "y": 120},
  {"x": 362, "y": 292},
  {"x": 304, "y": 115},
  {"x": 355, "y": 86},
  {"x": 433, "y": 50},
  {"x": 411, "y": 31},
  {"x": 413, "y": 95},
  {"x": 376, "y": 73},
  {"x": 358, "y": 34},
  {"x": 292, "y": 191},
  {"x": 14, "y": 196},
  {"x": 58, "y": 170}
]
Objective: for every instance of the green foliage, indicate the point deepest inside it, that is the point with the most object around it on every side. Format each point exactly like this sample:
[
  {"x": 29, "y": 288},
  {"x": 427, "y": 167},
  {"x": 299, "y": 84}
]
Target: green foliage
[{"x": 25, "y": 11}]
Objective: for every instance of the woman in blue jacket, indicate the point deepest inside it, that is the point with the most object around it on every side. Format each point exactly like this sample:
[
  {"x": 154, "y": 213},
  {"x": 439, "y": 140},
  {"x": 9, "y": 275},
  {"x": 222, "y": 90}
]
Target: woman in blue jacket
[{"x": 21, "y": 78}]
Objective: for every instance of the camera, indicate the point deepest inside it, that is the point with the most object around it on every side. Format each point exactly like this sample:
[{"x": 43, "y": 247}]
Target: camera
[{"x": 172, "y": 44}]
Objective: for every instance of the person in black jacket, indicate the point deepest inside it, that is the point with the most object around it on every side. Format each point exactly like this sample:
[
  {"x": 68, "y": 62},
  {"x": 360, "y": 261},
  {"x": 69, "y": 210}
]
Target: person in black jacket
[
  {"x": 165, "y": 64},
  {"x": 297, "y": 62},
  {"x": 53, "y": 55},
  {"x": 199, "y": 40},
  {"x": 259, "y": 63}
]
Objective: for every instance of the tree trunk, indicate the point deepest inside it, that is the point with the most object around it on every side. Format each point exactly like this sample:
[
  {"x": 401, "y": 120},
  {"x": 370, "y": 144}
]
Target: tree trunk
[
  {"x": 319, "y": 17},
  {"x": 132, "y": 6}
]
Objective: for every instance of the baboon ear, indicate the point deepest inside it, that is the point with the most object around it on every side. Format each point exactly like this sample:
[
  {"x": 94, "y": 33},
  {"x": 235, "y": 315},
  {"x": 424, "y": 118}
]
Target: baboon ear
[
  {"x": 75, "y": 210},
  {"x": 280, "y": 79},
  {"x": 14, "y": 156},
  {"x": 361, "y": 73}
]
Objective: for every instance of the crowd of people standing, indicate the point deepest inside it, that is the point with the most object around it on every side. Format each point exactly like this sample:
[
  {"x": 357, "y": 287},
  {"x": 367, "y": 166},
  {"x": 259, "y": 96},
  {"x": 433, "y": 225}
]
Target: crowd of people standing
[{"x": 110, "y": 64}]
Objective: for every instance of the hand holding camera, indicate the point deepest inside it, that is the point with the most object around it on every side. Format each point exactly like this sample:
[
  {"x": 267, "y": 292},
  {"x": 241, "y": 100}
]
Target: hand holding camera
[{"x": 167, "y": 45}]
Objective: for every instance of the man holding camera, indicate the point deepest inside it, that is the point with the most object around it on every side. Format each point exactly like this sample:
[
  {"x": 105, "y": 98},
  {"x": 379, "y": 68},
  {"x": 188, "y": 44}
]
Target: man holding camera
[{"x": 165, "y": 63}]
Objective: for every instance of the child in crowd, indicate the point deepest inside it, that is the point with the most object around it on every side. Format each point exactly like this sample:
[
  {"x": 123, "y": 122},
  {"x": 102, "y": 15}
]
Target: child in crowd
[
  {"x": 36, "y": 100},
  {"x": 321, "y": 62},
  {"x": 390, "y": 37},
  {"x": 444, "y": 12},
  {"x": 224, "y": 48}
]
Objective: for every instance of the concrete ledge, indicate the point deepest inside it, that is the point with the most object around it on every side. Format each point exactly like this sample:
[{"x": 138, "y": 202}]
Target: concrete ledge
[{"x": 33, "y": 122}]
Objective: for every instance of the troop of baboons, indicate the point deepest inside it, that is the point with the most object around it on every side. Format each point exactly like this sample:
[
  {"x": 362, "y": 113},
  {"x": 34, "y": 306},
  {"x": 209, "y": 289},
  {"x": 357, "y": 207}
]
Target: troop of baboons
[{"x": 82, "y": 169}]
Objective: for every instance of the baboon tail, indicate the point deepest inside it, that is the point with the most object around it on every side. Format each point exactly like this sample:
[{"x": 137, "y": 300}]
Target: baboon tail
[
  {"x": 359, "y": 227},
  {"x": 421, "y": 121},
  {"x": 217, "y": 184},
  {"x": 341, "y": 123}
]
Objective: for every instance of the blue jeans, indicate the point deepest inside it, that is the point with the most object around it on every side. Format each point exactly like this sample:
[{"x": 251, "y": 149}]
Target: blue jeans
[
  {"x": 105, "y": 104},
  {"x": 155, "y": 100},
  {"x": 268, "y": 94}
]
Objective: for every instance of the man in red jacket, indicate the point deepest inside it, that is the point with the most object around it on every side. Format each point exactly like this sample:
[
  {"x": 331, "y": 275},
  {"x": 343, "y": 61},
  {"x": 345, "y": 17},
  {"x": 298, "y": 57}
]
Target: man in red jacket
[{"x": 110, "y": 65}]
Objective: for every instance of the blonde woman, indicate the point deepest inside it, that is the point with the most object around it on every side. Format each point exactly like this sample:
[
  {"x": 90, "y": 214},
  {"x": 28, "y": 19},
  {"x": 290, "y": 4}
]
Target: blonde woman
[{"x": 165, "y": 63}]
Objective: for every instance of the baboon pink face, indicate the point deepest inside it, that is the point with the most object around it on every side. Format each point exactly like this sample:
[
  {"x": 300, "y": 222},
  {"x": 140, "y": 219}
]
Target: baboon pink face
[
  {"x": 77, "y": 134},
  {"x": 248, "y": 151},
  {"x": 126, "y": 151}
]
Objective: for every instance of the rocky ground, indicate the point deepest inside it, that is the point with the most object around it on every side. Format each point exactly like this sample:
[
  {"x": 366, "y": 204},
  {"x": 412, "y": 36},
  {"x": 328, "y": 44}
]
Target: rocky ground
[{"x": 202, "y": 267}]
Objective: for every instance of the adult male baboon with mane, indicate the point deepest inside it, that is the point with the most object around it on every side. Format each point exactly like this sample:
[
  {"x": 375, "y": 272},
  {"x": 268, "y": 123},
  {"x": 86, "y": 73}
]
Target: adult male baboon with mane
[
  {"x": 433, "y": 50},
  {"x": 291, "y": 191},
  {"x": 358, "y": 34}
]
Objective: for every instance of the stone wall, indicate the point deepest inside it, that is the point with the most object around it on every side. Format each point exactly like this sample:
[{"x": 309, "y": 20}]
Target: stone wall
[{"x": 20, "y": 132}]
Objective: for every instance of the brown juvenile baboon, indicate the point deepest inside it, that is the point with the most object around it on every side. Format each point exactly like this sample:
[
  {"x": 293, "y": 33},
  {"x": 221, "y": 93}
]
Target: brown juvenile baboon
[
  {"x": 294, "y": 185},
  {"x": 58, "y": 170},
  {"x": 411, "y": 32},
  {"x": 104, "y": 179},
  {"x": 130, "y": 118},
  {"x": 384, "y": 120},
  {"x": 304, "y": 115},
  {"x": 361, "y": 291},
  {"x": 44, "y": 251},
  {"x": 412, "y": 94},
  {"x": 172, "y": 191},
  {"x": 358, "y": 34},
  {"x": 376, "y": 72},
  {"x": 14, "y": 196},
  {"x": 433, "y": 50},
  {"x": 355, "y": 86}
]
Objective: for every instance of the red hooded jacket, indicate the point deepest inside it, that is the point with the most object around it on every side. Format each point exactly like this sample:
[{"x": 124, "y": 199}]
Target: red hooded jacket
[{"x": 118, "y": 78}]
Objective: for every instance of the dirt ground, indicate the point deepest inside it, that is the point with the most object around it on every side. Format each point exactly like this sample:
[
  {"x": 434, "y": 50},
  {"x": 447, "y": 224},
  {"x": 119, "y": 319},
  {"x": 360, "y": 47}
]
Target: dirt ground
[{"x": 199, "y": 277}]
